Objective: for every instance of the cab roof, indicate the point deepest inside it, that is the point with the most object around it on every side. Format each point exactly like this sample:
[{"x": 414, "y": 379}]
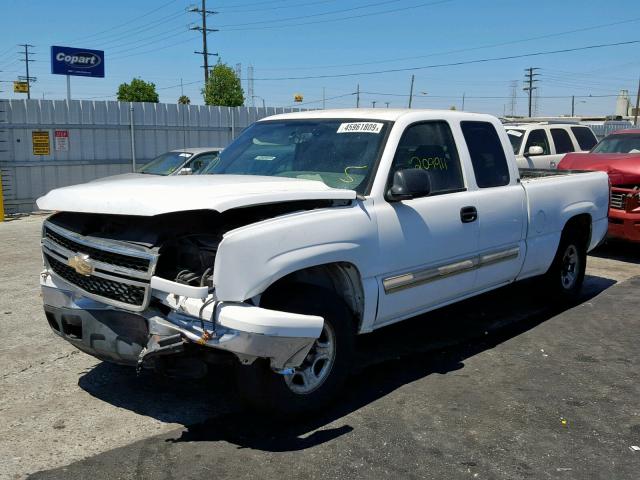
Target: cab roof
[{"x": 389, "y": 114}]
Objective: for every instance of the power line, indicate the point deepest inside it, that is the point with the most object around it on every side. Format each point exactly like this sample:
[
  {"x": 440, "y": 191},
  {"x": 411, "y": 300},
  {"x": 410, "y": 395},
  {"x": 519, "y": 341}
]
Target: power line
[
  {"x": 382, "y": 12},
  {"x": 299, "y": 17},
  {"x": 454, "y": 64},
  {"x": 252, "y": 4},
  {"x": 261, "y": 9},
  {"x": 461, "y": 50},
  {"x": 182, "y": 32},
  {"x": 152, "y": 50},
  {"x": 117, "y": 37},
  {"x": 128, "y": 22},
  {"x": 493, "y": 97},
  {"x": 321, "y": 100}
]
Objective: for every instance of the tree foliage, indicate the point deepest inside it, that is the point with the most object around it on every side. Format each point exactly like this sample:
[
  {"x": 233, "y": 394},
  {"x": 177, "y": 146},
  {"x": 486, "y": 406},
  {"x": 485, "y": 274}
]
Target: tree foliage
[
  {"x": 223, "y": 87},
  {"x": 137, "y": 91},
  {"x": 184, "y": 100}
]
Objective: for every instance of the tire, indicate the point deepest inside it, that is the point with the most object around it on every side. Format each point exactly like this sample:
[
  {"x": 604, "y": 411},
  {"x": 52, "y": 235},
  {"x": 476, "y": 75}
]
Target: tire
[
  {"x": 563, "y": 281},
  {"x": 317, "y": 381}
]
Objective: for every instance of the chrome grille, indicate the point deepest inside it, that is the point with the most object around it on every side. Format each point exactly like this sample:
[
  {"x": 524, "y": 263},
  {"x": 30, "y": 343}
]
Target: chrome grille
[
  {"x": 112, "y": 290},
  {"x": 617, "y": 200},
  {"x": 134, "y": 263},
  {"x": 118, "y": 275}
]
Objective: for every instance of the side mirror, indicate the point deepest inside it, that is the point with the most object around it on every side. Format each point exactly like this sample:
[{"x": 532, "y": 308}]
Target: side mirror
[
  {"x": 185, "y": 171},
  {"x": 409, "y": 183},
  {"x": 535, "y": 150}
]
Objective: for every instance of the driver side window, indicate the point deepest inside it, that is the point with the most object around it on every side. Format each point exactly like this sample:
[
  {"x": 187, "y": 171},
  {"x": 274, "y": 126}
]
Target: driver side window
[{"x": 430, "y": 146}]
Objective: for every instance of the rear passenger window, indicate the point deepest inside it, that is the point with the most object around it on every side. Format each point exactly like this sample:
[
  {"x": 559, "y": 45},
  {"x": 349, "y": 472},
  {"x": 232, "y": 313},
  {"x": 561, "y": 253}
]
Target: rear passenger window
[
  {"x": 430, "y": 146},
  {"x": 487, "y": 155},
  {"x": 585, "y": 137},
  {"x": 562, "y": 140},
  {"x": 538, "y": 138}
]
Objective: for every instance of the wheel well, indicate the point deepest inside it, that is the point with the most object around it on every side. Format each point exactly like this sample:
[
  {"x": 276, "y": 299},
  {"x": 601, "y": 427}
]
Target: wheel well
[
  {"x": 342, "y": 278},
  {"x": 582, "y": 225}
]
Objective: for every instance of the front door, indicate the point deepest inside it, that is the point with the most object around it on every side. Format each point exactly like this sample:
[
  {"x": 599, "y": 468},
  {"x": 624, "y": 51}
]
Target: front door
[
  {"x": 427, "y": 244},
  {"x": 539, "y": 138}
]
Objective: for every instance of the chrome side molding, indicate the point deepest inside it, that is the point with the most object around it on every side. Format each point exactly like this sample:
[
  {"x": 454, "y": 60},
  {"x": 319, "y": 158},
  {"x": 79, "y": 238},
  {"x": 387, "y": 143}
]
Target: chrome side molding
[{"x": 419, "y": 277}]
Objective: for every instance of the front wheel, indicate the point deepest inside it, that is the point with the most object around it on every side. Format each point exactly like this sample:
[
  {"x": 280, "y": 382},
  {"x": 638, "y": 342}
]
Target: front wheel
[{"x": 318, "y": 379}]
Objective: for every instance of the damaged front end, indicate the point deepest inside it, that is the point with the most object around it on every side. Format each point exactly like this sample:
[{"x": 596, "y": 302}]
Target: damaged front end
[{"x": 133, "y": 290}]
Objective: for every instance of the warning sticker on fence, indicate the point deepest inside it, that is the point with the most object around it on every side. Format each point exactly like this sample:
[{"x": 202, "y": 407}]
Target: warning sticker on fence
[
  {"x": 61, "y": 138},
  {"x": 40, "y": 142},
  {"x": 360, "y": 127}
]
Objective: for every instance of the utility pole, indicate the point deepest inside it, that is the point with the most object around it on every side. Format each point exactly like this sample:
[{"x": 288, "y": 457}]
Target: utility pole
[
  {"x": 26, "y": 61},
  {"x": 464, "y": 94},
  {"x": 514, "y": 95},
  {"x": 411, "y": 90},
  {"x": 204, "y": 30},
  {"x": 635, "y": 116},
  {"x": 324, "y": 98},
  {"x": 573, "y": 105},
  {"x": 358, "y": 96},
  {"x": 373, "y": 104},
  {"x": 387, "y": 104},
  {"x": 530, "y": 79}
]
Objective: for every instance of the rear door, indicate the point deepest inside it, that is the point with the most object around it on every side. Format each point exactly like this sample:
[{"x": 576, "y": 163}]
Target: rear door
[
  {"x": 501, "y": 205},
  {"x": 585, "y": 138},
  {"x": 562, "y": 143}
]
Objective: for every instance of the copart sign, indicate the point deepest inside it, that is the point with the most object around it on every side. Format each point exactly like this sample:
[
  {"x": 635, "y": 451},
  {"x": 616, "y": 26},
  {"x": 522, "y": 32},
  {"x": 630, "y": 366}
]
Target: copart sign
[{"x": 77, "y": 61}]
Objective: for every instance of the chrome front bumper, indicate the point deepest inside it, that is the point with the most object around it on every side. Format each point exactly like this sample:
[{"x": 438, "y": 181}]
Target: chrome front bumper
[{"x": 126, "y": 337}]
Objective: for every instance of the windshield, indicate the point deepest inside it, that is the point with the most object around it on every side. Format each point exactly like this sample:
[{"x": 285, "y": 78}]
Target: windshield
[
  {"x": 340, "y": 153},
  {"x": 165, "y": 164},
  {"x": 516, "y": 137},
  {"x": 620, "y": 143}
]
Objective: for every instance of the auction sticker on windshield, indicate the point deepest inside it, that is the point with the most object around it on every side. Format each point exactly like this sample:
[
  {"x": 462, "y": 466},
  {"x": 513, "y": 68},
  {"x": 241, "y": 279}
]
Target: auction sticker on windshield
[{"x": 360, "y": 127}]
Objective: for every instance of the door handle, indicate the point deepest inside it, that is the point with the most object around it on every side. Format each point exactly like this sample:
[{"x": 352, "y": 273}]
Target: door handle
[{"x": 468, "y": 214}]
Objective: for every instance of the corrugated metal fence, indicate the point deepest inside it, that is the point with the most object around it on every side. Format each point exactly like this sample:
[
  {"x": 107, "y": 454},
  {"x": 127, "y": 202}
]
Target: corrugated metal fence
[
  {"x": 91, "y": 139},
  {"x": 603, "y": 129}
]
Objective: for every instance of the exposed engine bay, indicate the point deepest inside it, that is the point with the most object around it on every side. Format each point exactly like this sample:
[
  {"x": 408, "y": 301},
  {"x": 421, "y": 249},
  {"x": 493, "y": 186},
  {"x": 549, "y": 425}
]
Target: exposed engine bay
[{"x": 186, "y": 242}]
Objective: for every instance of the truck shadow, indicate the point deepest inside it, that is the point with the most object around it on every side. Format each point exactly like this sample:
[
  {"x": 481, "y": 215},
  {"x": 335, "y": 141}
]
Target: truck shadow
[
  {"x": 435, "y": 343},
  {"x": 618, "y": 250}
]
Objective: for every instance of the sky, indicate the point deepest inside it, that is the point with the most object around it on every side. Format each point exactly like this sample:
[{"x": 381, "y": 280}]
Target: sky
[{"x": 338, "y": 45}]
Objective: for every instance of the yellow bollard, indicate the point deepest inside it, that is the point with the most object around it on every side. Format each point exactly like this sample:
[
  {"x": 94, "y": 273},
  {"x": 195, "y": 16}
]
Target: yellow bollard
[{"x": 1, "y": 200}]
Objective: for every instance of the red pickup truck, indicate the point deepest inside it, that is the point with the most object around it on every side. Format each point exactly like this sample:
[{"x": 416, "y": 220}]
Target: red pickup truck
[{"x": 617, "y": 154}]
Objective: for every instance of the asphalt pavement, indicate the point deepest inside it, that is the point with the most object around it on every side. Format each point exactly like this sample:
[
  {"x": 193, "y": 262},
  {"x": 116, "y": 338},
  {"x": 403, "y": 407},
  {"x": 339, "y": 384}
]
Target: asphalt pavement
[{"x": 503, "y": 386}]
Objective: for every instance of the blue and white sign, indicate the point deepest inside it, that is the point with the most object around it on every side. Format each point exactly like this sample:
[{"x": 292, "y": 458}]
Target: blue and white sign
[{"x": 81, "y": 62}]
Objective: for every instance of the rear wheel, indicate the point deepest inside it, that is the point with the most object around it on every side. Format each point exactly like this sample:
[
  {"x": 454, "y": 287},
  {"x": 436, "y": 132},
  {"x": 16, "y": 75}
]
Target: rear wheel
[
  {"x": 318, "y": 379},
  {"x": 564, "y": 278}
]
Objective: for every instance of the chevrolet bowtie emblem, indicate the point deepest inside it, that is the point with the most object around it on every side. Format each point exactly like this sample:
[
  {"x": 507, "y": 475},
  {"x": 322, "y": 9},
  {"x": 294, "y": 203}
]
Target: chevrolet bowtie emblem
[{"x": 81, "y": 263}]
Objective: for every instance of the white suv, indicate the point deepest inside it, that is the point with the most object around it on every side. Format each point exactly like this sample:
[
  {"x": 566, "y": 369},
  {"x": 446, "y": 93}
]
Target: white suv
[{"x": 542, "y": 145}]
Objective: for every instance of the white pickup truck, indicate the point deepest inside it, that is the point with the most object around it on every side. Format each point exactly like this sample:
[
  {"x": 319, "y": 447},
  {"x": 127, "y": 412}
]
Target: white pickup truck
[{"x": 315, "y": 227}]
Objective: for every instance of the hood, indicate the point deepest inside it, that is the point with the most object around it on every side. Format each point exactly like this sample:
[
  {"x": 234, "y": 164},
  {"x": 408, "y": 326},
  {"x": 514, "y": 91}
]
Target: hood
[
  {"x": 120, "y": 176},
  {"x": 149, "y": 195},
  {"x": 622, "y": 168}
]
